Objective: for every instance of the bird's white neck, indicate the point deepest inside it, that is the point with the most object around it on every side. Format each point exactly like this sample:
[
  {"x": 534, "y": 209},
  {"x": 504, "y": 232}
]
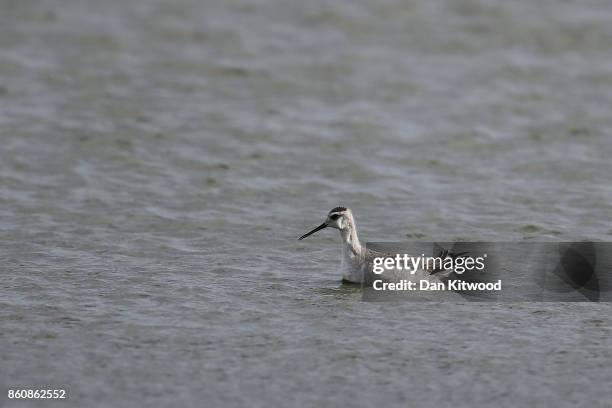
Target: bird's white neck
[
  {"x": 352, "y": 253},
  {"x": 350, "y": 240}
]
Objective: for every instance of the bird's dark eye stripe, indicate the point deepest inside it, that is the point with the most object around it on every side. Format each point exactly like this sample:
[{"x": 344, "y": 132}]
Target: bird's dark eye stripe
[{"x": 334, "y": 216}]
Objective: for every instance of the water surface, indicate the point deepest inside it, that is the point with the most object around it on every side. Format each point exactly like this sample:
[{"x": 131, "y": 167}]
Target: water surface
[{"x": 159, "y": 159}]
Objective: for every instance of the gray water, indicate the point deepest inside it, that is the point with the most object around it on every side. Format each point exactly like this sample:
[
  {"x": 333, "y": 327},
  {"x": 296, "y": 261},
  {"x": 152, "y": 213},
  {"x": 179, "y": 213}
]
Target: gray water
[{"x": 158, "y": 160}]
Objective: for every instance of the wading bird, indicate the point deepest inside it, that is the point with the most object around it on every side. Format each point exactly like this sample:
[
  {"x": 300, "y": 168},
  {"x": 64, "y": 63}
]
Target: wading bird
[{"x": 357, "y": 258}]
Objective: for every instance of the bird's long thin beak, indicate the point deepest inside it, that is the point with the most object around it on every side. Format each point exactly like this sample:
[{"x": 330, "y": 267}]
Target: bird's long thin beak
[{"x": 319, "y": 228}]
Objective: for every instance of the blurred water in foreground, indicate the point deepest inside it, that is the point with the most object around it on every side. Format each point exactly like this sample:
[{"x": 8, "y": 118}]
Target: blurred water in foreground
[{"x": 158, "y": 160}]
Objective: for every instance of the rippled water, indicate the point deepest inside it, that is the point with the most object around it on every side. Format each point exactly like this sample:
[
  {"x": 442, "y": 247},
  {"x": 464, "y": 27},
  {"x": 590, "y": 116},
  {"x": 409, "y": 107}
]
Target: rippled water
[{"x": 158, "y": 160}]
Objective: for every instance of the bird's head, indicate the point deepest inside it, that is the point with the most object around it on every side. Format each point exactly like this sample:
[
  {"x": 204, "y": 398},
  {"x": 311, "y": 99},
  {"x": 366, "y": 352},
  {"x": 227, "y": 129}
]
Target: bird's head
[{"x": 338, "y": 218}]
